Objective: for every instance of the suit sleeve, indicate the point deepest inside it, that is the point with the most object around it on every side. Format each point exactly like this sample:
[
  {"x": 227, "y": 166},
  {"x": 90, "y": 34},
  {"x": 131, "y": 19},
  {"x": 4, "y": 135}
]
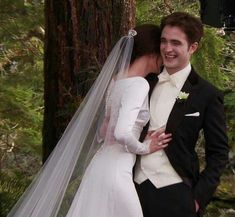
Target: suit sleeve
[
  {"x": 216, "y": 150},
  {"x": 131, "y": 104}
]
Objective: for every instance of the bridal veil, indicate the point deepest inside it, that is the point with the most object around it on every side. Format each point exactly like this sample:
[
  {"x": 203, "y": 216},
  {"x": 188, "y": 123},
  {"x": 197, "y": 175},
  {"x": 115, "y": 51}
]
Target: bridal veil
[{"x": 53, "y": 189}]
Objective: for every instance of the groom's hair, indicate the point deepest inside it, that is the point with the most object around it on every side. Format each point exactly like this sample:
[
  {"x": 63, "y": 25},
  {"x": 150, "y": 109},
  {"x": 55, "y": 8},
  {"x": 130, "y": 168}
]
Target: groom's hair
[
  {"x": 190, "y": 25},
  {"x": 147, "y": 41}
]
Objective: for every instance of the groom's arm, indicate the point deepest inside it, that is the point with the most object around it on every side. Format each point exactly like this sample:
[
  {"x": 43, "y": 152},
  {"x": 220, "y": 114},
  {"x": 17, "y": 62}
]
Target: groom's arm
[{"x": 216, "y": 150}]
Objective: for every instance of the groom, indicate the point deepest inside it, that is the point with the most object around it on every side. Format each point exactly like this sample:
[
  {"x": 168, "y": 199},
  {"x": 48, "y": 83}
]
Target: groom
[{"x": 168, "y": 182}]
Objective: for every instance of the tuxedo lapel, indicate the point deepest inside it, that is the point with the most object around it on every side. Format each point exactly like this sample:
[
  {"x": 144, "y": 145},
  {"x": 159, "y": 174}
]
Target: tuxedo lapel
[{"x": 179, "y": 108}]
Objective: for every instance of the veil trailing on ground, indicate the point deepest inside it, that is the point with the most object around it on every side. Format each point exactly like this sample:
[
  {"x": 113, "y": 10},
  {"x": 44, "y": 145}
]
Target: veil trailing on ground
[{"x": 52, "y": 191}]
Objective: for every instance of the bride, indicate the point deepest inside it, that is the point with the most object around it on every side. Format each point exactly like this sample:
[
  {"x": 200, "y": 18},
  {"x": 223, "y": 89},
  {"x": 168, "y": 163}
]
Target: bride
[{"x": 108, "y": 134}]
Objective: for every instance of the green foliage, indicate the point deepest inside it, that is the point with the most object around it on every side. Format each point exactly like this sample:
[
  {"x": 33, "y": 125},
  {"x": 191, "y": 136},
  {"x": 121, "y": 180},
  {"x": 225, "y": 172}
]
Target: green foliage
[
  {"x": 151, "y": 11},
  {"x": 208, "y": 59},
  {"x": 11, "y": 188},
  {"x": 229, "y": 69},
  {"x": 21, "y": 96}
]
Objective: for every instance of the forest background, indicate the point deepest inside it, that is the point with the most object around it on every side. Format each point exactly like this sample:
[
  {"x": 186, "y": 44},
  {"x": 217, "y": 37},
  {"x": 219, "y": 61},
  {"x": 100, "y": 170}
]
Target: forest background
[{"x": 24, "y": 92}]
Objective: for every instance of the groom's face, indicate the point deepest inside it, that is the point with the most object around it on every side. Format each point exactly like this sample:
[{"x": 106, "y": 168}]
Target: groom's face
[{"x": 175, "y": 49}]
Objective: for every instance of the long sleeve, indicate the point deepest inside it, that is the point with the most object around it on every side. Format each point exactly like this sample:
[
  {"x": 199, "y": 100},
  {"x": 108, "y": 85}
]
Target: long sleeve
[{"x": 131, "y": 103}]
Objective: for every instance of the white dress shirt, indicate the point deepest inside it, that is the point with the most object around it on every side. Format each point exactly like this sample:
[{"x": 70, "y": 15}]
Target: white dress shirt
[{"x": 156, "y": 166}]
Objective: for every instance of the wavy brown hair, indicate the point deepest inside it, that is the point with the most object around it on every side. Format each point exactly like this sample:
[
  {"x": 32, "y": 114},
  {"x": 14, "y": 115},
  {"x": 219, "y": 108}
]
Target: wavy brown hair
[{"x": 190, "y": 25}]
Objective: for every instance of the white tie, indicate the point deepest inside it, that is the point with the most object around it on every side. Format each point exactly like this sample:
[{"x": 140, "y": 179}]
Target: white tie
[{"x": 166, "y": 78}]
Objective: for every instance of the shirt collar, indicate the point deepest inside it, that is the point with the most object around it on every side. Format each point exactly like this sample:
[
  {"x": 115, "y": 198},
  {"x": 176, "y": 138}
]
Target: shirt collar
[{"x": 178, "y": 78}]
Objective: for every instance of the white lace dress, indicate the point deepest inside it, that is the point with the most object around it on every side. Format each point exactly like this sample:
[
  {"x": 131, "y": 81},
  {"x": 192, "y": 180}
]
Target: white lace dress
[{"x": 107, "y": 188}]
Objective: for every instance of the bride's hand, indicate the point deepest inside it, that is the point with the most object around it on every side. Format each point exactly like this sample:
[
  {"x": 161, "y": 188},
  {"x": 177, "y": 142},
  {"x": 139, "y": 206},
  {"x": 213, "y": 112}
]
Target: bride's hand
[
  {"x": 148, "y": 136},
  {"x": 159, "y": 139}
]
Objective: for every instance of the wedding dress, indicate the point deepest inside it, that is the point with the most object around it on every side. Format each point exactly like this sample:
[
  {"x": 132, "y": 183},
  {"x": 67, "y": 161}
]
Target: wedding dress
[{"x": 107, "y": 188}]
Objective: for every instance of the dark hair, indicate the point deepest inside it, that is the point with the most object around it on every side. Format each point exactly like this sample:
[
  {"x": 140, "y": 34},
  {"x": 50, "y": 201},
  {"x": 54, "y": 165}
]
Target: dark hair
[
  {"x": 190, "y": 25},
  {"x": 147, "y": 41}
]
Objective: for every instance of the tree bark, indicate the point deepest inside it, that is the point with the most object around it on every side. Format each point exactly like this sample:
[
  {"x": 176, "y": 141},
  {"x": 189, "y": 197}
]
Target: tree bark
[{"x": 78, "y": 38}]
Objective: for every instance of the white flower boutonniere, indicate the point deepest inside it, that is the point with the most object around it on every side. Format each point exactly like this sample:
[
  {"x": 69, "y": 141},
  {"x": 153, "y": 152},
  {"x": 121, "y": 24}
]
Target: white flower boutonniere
[{"x": 182, "y": 96}]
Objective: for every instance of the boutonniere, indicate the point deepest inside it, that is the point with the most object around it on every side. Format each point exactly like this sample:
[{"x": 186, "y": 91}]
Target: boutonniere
[{"x": 182, "y": 97}]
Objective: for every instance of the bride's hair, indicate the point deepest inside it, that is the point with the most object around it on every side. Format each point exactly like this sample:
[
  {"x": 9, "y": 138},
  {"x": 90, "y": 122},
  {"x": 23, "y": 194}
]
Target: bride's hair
[{"x": 147, "y": 41}]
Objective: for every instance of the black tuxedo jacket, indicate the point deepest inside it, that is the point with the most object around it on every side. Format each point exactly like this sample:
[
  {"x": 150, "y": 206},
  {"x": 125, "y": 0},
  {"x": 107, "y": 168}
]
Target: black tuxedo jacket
[{"x": 208, "y": 101}]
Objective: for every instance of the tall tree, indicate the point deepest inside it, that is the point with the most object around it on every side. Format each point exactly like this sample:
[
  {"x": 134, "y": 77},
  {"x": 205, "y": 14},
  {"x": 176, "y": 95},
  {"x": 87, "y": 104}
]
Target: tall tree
[{"x": 78, "y": 38}]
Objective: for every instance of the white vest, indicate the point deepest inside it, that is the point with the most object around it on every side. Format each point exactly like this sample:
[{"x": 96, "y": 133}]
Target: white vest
[{"x": 156, "y": 166}]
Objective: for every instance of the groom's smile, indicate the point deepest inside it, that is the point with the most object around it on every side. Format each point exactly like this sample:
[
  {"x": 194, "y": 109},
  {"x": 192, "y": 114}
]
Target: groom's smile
[{"x": 175, "y": 49}]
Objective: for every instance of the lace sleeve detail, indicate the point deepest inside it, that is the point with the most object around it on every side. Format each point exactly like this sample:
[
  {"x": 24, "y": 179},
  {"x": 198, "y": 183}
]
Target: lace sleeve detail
[
  {"x": 131, "y": 104},
  {"x": 108, "y": 98},
  {"x": 104, "y": 125}
]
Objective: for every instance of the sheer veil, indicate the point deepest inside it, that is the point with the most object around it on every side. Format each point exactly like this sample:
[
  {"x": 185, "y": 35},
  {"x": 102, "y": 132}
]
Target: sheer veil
[{"x": 52, "y": 191}]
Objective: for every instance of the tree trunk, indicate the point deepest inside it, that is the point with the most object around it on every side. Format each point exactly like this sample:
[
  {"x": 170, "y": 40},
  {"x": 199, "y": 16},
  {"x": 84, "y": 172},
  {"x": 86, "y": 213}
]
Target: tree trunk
[{"x": 78, "y": 38}]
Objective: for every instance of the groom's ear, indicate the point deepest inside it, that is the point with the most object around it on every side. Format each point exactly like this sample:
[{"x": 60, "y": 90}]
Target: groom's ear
[{"x": 193, "y": 47}]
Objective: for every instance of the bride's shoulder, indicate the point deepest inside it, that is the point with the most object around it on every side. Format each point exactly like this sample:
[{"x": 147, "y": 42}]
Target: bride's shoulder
[
  {"x": 139, "y": 82},
  {"x": 135, "y": 83}
]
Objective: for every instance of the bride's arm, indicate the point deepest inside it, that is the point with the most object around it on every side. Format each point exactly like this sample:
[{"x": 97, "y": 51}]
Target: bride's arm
[{"x": 131, "y": 104}]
